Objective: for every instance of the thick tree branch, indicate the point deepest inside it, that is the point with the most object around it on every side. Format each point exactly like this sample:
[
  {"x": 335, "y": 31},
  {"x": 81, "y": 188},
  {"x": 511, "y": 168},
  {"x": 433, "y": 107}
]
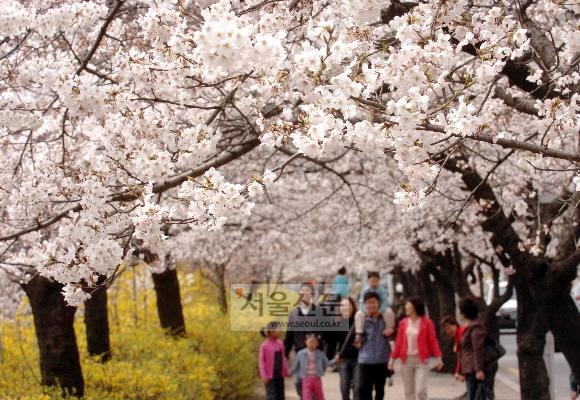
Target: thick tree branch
[
  {"x": 526, "y": 106},
  {"x": 496, "y": 222},
  {"x": 513, "y": 144}
]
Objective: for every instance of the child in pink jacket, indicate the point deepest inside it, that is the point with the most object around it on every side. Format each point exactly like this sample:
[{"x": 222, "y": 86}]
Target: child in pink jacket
[{"x": 273, "y": 367}]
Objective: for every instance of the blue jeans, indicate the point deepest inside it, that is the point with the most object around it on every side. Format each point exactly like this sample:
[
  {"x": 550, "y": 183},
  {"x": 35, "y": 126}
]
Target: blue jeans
[{"x": 348, "y": 369}]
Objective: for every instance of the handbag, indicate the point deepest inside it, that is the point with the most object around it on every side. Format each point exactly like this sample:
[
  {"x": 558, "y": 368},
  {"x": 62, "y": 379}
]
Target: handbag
[
  {"x": 493, "y": 351},
  {"x": 482, "y": 393}
]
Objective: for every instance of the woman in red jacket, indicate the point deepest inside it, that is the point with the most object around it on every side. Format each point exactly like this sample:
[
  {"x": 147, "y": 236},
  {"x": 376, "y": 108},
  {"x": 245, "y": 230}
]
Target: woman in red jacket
[{"x": 416, "y": 342}]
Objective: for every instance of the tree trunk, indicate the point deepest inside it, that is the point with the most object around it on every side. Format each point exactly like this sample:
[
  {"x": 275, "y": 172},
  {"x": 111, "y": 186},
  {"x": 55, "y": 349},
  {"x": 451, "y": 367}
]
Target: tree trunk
[
  {"x": 222, "y": 298},
  {"x": 531, "y": 338},
  {"x": 446, "y": 307},
  {"x": 542, "y": 302},
  {"x": 216, "y": 275},
  {"x": 53, "y": 321},
  {"x": 222, "y": 291},
  {"x": 564, "y": 320},
  {"x": 169, "y": 306},
  {"x": 97, "y": 325}
]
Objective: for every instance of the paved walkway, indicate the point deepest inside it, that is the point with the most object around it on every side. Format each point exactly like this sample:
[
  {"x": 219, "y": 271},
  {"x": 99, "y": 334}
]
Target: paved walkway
[{"x": 441, "y": 387}]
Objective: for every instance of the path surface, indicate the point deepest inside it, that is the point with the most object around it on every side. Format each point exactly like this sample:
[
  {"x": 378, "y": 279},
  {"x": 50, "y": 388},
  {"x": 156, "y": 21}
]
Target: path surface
[
  {"x": 509, "y": 372},
  {"x": 441, "y": 387}
]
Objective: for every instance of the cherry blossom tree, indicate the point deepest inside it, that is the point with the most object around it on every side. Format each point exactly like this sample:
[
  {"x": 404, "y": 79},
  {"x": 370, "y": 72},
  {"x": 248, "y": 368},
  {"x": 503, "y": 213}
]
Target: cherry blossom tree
[{"x": 117, "y": 115}]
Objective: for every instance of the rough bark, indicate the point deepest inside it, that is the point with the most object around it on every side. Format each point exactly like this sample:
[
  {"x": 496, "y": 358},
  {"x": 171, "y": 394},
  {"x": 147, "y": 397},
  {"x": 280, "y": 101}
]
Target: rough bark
[
  {"x": 169, "y": 307},
  {"x": 447, "y": 307},
  {"x": 440, "y": 267},
  {"x": 531, "y": 339},
  {"x": 541, "y": 293},
  {"x": 53, "y": 321},
  {"x": 97, "y": 325}
]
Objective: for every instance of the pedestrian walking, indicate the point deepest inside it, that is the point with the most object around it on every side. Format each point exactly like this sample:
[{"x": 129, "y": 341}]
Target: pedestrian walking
[
  {"x": 340, "y": 284},
  {"x": 328, "y": 305},
  {"x": 374, "y": 351},
  {"x": 451, "y": 328},
  {"x": 347, "y": 357},
  {"x": 473, "y": 366},
  {"x": 388, "y": 314},
  {"x": 305, "y": 314},
  {"x": 272, "y": 363},
  {"x": 416, "y": 342},
  {"x": 309, "y": 367}
]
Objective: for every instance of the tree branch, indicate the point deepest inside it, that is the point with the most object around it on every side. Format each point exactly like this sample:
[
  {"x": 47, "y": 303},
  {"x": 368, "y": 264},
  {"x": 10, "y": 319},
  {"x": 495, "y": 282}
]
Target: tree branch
[
  {"x": 513, "y": 144},
  {"x": 110, "y": 16}
]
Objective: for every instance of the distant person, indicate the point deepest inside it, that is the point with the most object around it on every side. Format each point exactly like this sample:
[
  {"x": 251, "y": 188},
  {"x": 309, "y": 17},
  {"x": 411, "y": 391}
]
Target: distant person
[
  {"x": 356, "y": 289},
  {"x": 329, "y": 307},
  {"x": 347, "y": 357},
  {"x": 340, "y": 284},
  {"x": 305, "y": 312},
  {"x": 272, "y": 363},
  {"x": 451, "y": 328},
  {"x": 309, "y": 367},
  {"x": 416, "y": 342},
  {"x": 388, "y": 314},
  {"x": 374, "y": 351},
  {"x": 472, "y": 348}
]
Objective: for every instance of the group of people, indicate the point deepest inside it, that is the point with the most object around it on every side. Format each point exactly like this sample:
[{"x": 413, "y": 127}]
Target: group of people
[{"x": 365, "y": 354}]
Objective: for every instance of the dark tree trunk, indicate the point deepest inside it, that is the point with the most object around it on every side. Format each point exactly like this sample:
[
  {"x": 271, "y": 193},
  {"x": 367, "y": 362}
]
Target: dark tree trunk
[
  {"x": 563, "y": 319},
  {"x": 169, "y": 306},
  {"x": 222, "y": 298},
  {"x": 541, "y": 288},
  {"x": 432, "y": 287},
  {"x": 446, "y": 307},
  {"x": 411, "y": 286},
  {"x": 53, "y": 321},
  {"x": 490, "y": 315},
  {"x": 531, "y": 338},
  {"x": 221, "y": 287},
  {"x": 430, "y": 292},
  {"x": 97, "y": 325}
]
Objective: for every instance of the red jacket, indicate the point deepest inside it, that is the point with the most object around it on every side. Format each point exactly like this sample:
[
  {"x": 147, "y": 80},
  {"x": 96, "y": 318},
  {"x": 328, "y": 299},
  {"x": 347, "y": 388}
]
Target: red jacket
[
  {"x": 427, "y": 343},
  {"x": 457, "y": 346}
]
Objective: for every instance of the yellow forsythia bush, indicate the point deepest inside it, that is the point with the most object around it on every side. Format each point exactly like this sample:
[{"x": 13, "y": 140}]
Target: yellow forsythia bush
[{"x": 210, "y": 363}]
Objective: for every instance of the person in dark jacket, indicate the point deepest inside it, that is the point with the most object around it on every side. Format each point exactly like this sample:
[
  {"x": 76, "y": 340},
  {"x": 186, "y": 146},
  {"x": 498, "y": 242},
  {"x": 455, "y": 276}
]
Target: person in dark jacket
[
  {"x": 295, "y": 338},
  {"x": 472, "y": 347},
  {"x": 347, "y": 357}
]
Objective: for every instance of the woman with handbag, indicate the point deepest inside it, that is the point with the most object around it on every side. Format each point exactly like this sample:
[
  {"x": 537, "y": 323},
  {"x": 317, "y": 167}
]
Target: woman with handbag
[
  {"x": 347, "y": 357},
  {"x": 473, "y": 351}
]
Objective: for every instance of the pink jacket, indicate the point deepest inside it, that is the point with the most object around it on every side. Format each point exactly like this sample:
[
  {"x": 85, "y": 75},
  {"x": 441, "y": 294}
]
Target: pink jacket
[
  {"x": 427, "y": 343},
  {"x": 268, "y": 348}
]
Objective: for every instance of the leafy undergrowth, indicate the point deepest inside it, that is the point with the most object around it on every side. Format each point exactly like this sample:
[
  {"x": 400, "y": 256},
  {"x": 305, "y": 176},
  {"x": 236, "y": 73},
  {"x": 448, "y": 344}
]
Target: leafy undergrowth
[{"x": 210, "y": 363}]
